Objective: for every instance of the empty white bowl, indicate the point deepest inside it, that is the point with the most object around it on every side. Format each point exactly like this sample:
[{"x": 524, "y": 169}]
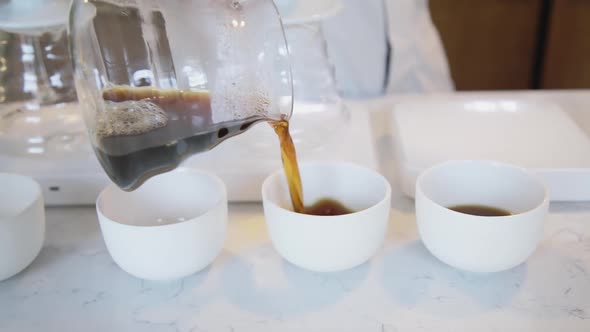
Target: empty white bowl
[
  {"x": 477, "y": 243},
  {"x": 172, "y": 226},
  {"x": 22, "y": 223},
  {"x": 328, "y": 243}
]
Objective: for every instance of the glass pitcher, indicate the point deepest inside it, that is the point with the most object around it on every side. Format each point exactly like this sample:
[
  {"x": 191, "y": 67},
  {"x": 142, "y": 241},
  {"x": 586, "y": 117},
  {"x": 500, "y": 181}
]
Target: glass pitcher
[
  {"x": 38, "y": 113},
  {"x": 159, "y": 81},
  {"x": 320, "y": 117}
]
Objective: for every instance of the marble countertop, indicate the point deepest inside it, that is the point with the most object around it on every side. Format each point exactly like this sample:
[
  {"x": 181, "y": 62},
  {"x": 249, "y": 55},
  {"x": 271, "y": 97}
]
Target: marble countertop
[{"x": 75, "y": 286}]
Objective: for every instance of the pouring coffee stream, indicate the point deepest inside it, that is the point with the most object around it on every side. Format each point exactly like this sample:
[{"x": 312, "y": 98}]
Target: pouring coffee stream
[{"x": 290, "y": 165}]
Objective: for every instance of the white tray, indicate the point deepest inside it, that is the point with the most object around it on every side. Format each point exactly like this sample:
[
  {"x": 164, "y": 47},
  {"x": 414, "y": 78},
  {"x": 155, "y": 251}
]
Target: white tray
[
  {"x": 536, "y": 135},
  {"x": 78, "y": 179}
]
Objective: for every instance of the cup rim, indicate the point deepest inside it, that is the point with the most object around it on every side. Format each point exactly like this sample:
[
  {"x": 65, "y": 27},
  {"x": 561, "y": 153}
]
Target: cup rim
[
  {"x": 544, "y": 202},
  {"x": 278, "y": 172},
  {"x": 37, "y": 194},
  {"x": 215, "y": 206}
]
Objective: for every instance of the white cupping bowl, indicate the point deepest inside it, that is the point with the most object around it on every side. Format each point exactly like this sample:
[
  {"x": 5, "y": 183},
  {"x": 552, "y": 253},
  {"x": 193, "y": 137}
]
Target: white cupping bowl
[
  {"x": 172, "y": 226},
  {"x": 22, "y": 223},
  {"x": 477, "y": 243},
  {"x": 328, "y": 243}
]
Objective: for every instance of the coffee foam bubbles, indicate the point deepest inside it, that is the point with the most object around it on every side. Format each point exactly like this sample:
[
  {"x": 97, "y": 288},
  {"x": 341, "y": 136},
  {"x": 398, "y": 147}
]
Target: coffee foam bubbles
[{"x": 130, "y": 118}]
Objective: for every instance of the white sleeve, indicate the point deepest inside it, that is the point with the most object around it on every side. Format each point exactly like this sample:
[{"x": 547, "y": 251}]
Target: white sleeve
[
  {"x": 357, "y": 46},
  {"x": 357, "y": 39},
  {"x": 419, "y": 61}
]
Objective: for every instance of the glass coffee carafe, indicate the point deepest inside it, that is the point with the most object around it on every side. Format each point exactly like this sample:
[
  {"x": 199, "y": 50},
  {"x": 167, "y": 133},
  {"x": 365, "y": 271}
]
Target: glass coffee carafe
[
  {"x": 38, "y": 110},
  {"x": 159, "y": 81}
]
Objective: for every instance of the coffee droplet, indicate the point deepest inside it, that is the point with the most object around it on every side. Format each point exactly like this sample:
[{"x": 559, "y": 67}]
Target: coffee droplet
[
  {"x": 246, "y": 125},
  {"x": 222, "y": 132}
]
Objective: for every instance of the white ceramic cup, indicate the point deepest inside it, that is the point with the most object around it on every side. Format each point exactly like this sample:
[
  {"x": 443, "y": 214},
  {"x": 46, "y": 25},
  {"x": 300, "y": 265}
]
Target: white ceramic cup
[
  {"x": 22, "y": 223},
  {"x": 328, "y": 243},
  {"x": 477, "y": 243},
  {"x": 172, "y": 226}
]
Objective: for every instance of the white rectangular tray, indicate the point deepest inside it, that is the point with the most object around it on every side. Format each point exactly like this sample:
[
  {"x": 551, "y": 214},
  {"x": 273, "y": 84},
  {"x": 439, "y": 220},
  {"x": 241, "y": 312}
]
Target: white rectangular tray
[{"x": 536, "y": 135}]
